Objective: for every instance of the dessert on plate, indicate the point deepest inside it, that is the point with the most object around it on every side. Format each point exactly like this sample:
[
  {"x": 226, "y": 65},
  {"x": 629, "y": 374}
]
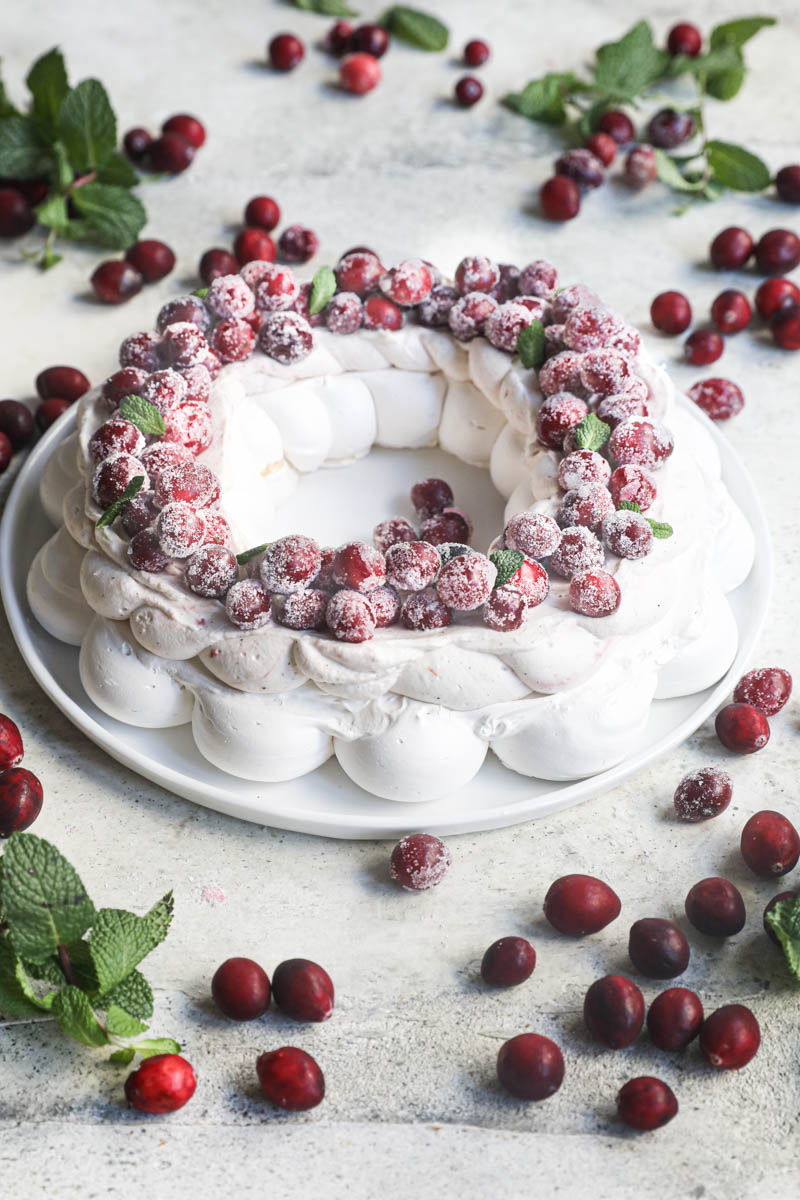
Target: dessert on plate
[{"x": 178, "y": 570}]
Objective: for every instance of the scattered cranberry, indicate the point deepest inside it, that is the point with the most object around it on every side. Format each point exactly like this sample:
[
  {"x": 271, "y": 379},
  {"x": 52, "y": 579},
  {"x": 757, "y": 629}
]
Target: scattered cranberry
[
  {"x": 613, "y": 1010},
  {"x": 476, "y": 53},
  {"x": 534, "y": 534},
  {"x": 508, "y": 962},
  {"x": 617, "y": 125},
  {"x": 671, "y": 313},
  {"x": 20, "y": 792},
  {"x": 771, "y": 904},
  {"x": 774, "y": 294},
  {"x": 188, "y": 127},
  {"x": 560, "y": 198},
  {"x": 337, "y": 39},
  {"x": 594, "y": 594},
  {"x": 582, "y": 167},
  {"x": 785, "y": 327},
  {"x": 640, "y": 167},
  {"x": 286, "y": 52},
  {"x": 115, "y": 281},
  {"x": 777, "y": 252},
  {"x": 580, "y": 904},
  {"x": 350, "y": 617},
  {"x": 703, "y": 794},
  {"x": 674, "y": 1018},
  {"x": 136, "y": 143},
  {"x": 658, "y": 948},
  {"x": 602, "y": 146},
  {"x": 766, "y": 688},
  {"x": 248, "y": 604},
  {"x": 217, "y": 262},
  {"x": 669, "y": 128},
  {"x": 240, "y": 988},
  {"x": 253, "y": 244},
  {"x": 359, "y": 73},
  {"x": 297, "y": 245},
  {"x": 67, "y": 382},
  {"x": 731, "y": 311},
  {"x": 162, "y": 1084},
  {"x": 291, "y": 1079},
  {"x": 468, "y": 91},
  {"x": 153, "y": 260},
  {"x": 715, "y": 907},
  {"x": 263, "y": 213},
  {"x": 303, "y": 990},
  {"x": 16, "y": 423},
  {"x": 424, "y": 610},
  {"x": 11, "y": 751},
  {"x": 730, "y": 1037},
  {"x": 787, "y": 184},
  {"x": 359, "y": 566},
  {"x": 171, "y": 153},
  {"x": 371, "y": 39},
  {"x": 720, "y": 399},
  {"x": 16, "y": 213},
  {"x": 530, "y": 1066},
  {"x": 742, "y": 728},
  {"x": 770, "y": 844},
  {"x": 49, "y": 411},
  {"x": 646, "y": 1103},
  {"x": 684, "y": 39},
  {"x": 419, "y": 861},
  {"x": 731, "y": 248},
  {"x": 702, "y": 347}
]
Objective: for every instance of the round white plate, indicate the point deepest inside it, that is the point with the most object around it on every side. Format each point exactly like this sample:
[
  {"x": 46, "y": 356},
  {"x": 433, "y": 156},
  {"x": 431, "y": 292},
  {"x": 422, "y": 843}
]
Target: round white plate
[{"x": 326, "y": 801}]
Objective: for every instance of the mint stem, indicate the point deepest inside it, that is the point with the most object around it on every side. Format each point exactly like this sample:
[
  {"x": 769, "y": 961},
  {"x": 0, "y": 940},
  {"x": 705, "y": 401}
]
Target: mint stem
[{"x": 66, "y": 965}]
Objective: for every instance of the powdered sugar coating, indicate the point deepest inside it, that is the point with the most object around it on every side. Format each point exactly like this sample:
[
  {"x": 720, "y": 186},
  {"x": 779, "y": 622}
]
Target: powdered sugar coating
[
  {"x": 125, "y": 382},
  {"x": 140, "y": 350},
  {"x": 190, "y": 426},
  {"x": 619, "y": 407},
  {"x": 605, "y": 371},
  {"x": 594, "y": 594},
  {"x": 572, "y": 297},
  {"x": 198, "y": 382},
  {"x": 165, "y": 390},
  {"x": 248, "y": 604},
  {"x": 582, "y": 466},
  {"x": 505, "y": 610},
  {"x": 556, "y": 416},
  {"x": 359, "y": 566},
  {"x": 434, "y": 310},
  {"x": 720, "y": 399},
  {"x": 255, "y": 271},
  {"x": 113, "y": 475},
  {"x": 217, "y": 531},
  {"x": 589, "y": 505},
  {"x": 450, "y": 525},
  {"x": 531, "y": 581},
  {"x": 633, "y": 484},
  {"x": 465, "y": 583},
  {"x": 641, "y": 443},
  {"x": 189, "y": 481},
  {"x": 229, "y": 296},
  {"x": 277, "y": 288},
  {"x": 589, "y": 327},
  {"x": 161, "y": 455},
  {"x": 116, "y": 436},
  {"x": 180, "y": 529},
  {"x": 302, "y": 610},
  {"x": 211, "y": 570},
  {"x": 412, "y": 566},
  {"x": 181, "y": 310},
  {"x": 476, "y": 273},
  {"x": 628, "y": 534},
  {"x": 287, "y": 337},
  {"x": 468, "y": 315},
  {"x": 420, "y": 861},
  {"x": 144, "y": 552},
  {"x": 290, "y": 564},
  {"x": 394, "y": 529},
  {"x": 344, "y": 313},
  {"x": 359, "y": 272},
  {"x": 505, "y": 323},
  {"x": 233, "y": 340},
  {"x": 539, "y": 278},
  {"x": 579, "y": 550},
  {"x": 562, "y": 373},
  {"x": 381, "y": 313},
  {"x": 139, "y": 513},
  {"x": 533, "y": 534},
  {"x": 424, "y": 610},
  {"x": 507, "y": 286},
  {"x": 350, "y": 617}
]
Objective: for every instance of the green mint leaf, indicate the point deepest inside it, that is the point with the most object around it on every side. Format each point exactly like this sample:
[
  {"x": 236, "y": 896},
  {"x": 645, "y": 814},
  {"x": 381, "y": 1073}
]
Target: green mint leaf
[
  {"x": 22, "y": 155},
  {"x": 784, "y": 920},
  {"x": 119, "y": 171},
  {"x": 144, "y": 415},
  {"x": 724, "y": 85},
  {"x": 52, "y": 212},
  {"x": 323, "y": 288},
  {"x": 133, "y": 994},
  {"x": 530, "y": 345},
  {"x": 544, "y": 99},
  {"x": 629, "y": 506},
  {"x": 7, "y": 106},
  {"x": 115, "y": 218},
  {"x": 736, "y": 168},
  {"x": 113, "y": 510},
  {"x": 417, "y": 28},
  {"x": 88, "y": 126},
  {"x": 17, "y": 997},
  {"x": 47, "y": 82},
  {"x": 246, "y": 555},
  {"x": 49, "y": 971},
  {"x": 450, "y": 550},
  {"x": 43, "y": 898},
  {"x": 327, "y": 8},
  {"x": 736, "y": 33},
  {"x": 202, "y": 292},
  {"x": 120, "y": 940},
  {"x": 151, "y": 1046},
  {"x": 508, "y": 562},
  {"x": 661, "y": 529},
  {"x": 670, "y": 173},
  {"x": 592, "y": 433},
  {"x": 124, "y": 1055},
  {"x": 122, "y": 1024},
  {"x": 625, "y": 68},
  {"x": 76, "y": 1017}
]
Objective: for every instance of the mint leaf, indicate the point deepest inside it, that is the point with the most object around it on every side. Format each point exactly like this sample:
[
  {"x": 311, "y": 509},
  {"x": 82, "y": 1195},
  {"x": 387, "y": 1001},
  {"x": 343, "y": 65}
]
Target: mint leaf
[
  {"x": 120, "y": 940},
  {"x": 530, "y": 345},
  {"x": 150, "y": 1046},
  {"x": 508, "y": 562},
  {"x": 119, "y": 171},
  {"x": 52, "y": 212},
  {"x": 114, "y": 217},
  {"x": 88, "y": 126},
  {"x": 48, "y": 85},
  {"x": 543, "y": 99},
  {"x": 661, "y": 529},
  {"x": 625, "y": 68},
  {"x": 670, "y": 173},
  {"x": 22, "y": 155},
  {"x": 125, "y": 1055},
  {"x": 724, "y": 85},
  {"x": 17, "y": 997},
  {"x": 629, "y": 506},
  {"x": 144, "y": 415},
  {"x": 784, "y": 920},
  {"x": 202, "y": 292},
  {"x": 113, "y": 510},
  {"x": 122, "y": 1024},
  {"x": 736, "y": 33},
  {"x": 49, "y": 971},
  {"x": 133, "y": 994},
  {"x": 417, "y": 28},
  {"x": 246, "y": 555},
  {"x": 323, "y": 288},
  {"x": 74, "y": 1014},
  {"x": 737, "y": 168},
  {"x": 592, "y": 433},
  {"x": 7, "y": 106},
  {"x": 43, "y": 898},
  {"x": 327, "y": 8}
]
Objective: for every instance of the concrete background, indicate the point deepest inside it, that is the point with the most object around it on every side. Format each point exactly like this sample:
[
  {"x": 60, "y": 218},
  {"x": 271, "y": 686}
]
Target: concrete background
[{"x": 412, "y": 1106}]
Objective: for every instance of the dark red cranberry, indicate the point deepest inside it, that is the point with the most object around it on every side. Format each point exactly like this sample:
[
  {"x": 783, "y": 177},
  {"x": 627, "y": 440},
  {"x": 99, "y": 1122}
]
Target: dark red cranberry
[
  {"x": 703, "y": 794},
  {"x": 468, "y": 91},
  {"x": 640, "y": 167},
  {"x": 730, "y": 1037},
  {"x": 252, "y": 245},
  {"x": 115, "y": 281},
  {"x": 20, "y": 799},
  {"x": 581, "y": 166},
  {"x": 777, "y": 252},
  {"x": 702, "y": 347},
  {"x": 145, "y": 553},
  {"x": 669, "y": 128},
  {"x": 286, "y": 52},
  {"x": 171, "y": 153},
  {"x": 684, "y": 39},
  {"x": 371, "y": 39},
  {"x": 530, "y": 1066},
  {"x": 140, "y": 512},
  {"x": 431, "y": 496},
  {"x": 778, "y": 899},
  {"x": 16, "y": 423},
  {"x": 49, "y": 411},
  {"x": 657, "y": 948},
  {"x": 787, "y": 184},
  {"x": 337, "y": 39},
  {"x": 125, "y": 382},
  {"x": 424, "y": 610},
  {"x": 671, "y": 313},
  {"x": 646, "y": 1103},
  {"x": 6, "y": 452},
  {"x": 770, "y": 844},
  {"x": 16, "y": 214},
  {"x": 11, "y": 751},
  {"x": 162, "y": 1084},
  {"x": 359, "y": 73},
  {"x": 560, "y": 198},
  {"x": 613, "y": 1010},
  {"x": 297, "y": 245},
  {"x": 419, "y": 861},
  {"x": 507, "y": 962},
  {"x": 731, "y": 248},
  {"x": 262, "y": 212},
  {"x": 774, "y": 294},
  {"x": 785, "y": 328},
  {"x": 766, "y": 688},
  {"x": 720, "y": 399},
  {"x": 476, "y": 53},
  {"x": 380, "y": 313},
  {"x": 216, "y": 262},
  {"x": 188, "y": 127},
  {"x": 731, "y": 311},
  {"x": 617, "y": 125},
  {"x": 580, "y": 904},
  {"x": 602, "y": 146},
  {"x": 742, "y": 728},
  {"x": 674, "y": 1018},
  {"x": 291, "y": 1079},
  {"x": 240, "y": 988},
  {"x": 67, "y": 382},
  {"x": 152, "y": 259},
  {"x": 136, "y": 143},
  {"x": 715, "y": 906},
  {"x": 303, "y": 990}
]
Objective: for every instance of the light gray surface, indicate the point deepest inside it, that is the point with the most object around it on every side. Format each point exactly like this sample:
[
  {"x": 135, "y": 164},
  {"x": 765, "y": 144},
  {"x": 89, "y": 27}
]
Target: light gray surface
[{"x": 412, "y": 1108}]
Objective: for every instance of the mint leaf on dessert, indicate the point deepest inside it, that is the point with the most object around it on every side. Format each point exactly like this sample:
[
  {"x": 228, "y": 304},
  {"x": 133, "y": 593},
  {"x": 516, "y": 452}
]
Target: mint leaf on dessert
[
  {"x": 661, "y": 529},
  {"x": 784, "y": 921},
  {"x": 113, "y": 510},
  {"x": 530, "y": 344},
  {"x": 133, "y": 994},
  {"x": 122, "y": 1024},
  {"x": 508, "y": 562},
  {"x": 246, "y": 555},
  {"x": 22, "y": 155},
  {"x": 736, "y": 168},
  {"x": 417, "y": 28},
  {"x": 17, "y": 998},
  {"x": 120, "y": 940},
  {"x": 48, "y": 85},
  {"x": 625, "y": 68},
  {"x": 43, "y": 898},
  {"x": 327, "y": 8},
  {"x": 150, "y": 1046},
  {"x": 113, "y": 217},
  {"x": 592, "y": 433},
  {"x": 202, "y": 292},
  {"x": 323, "y": 288},
  {"x": 74, "y": 1013},
  {"x": 88, "y": 126},
  {"x": 629, "y": 506},
  {"x": 736, "y": 33},
  {"x": 144, "y": 415}
]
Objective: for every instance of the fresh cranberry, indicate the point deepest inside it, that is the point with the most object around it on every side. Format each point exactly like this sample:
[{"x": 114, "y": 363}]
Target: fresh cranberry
[
  {"x": 161, "y": 1084},
  {"x": 557, "y": 414},
  {"x": 777, "y": 252},
  {"x": 476, "y": 53},
  {"x": 785, "y": 328},
  {"x": 115, "y": 281},
  {"x": 627, "y": 534},
  {"x": 153, "y": 260},
  {"x": 658, "y": 948},
  {"x": 508, "y": 962},
  {"x": 359, "y": 73},
  {"x": 6, "y": 452},
  {"x": 359, "y": 272},
  {"x": 674, "y": 1018},
  {"x": 534, "y": 534},
  {"x": 715, "y": 907},
  {"x": 262, "y": 212},
  {"x": 420, "y": 861},
  {"x": 291, "y": 1079},
  {"x": 633, "y": 484},
  {"x": 11, "y": 751},
  {"x": 136, "y": 143},
  {"x": 731, "y": 248},
  {"x": 671, "y": 313},
  {"x": 602, "y": 146},
  {"x": 297, "y": 244},
  {"x": 578, "y": 552},
  {"x": 684, "y": 39},
  {"x": 617, "y": 125},
  {"x": 253, "y": 244},
  {"x": 20, "y": 796},
  {"x": 766, "y": 688},
  {"x": 286, "y": 52},
  {"x": 582, "y": 167},
  {"x": 580, "y": 904},
  {"x": 703, "y": 794},
  {"x": 450, "y": 525},
  {"x": 16, "y": 423},
  {"x": 771, "y": 904},
  {"x": 424, "y": 610},
  {"x": 468, "y": 91},
  {"x": 49, "y": 411},
  {"x": 774, "y": 294},
  {"x": 171, "y": 153},
  {"x": 240, "y": 988},
  {"x": 613, "y": 1010},
  {"x": 731, "y": 311},
  {"x": 431, "y": 496},
  {"x": 140, "y": 512},
  {"x": 465, "y": 582},
  {"x": 646, "y": 1103},
  {"x": 770, "y": 844},
  {"x": 337, "y": 39},
  {"x": 560, "y": 198},
  {"x": 188, "y": 127},
  {"x": 371, "y": 39},
  {"x": 530, "y": 1066},
  {"x": 742, "y": 728},
  {"x": 730, "y": 1037},
  {"x": 669, "y": 128},
  {"x": 594, "y": 594},
  {"x": 380, "y": 313},
  {"x": 468, "y": 315},
  {"x": 640, "y": 167},
  {"x": 350, "y": 617},
  {"x": 16, "y": 213},
  {"x": 359, "y": 566},
  {"x": 787, "y": 184},
  {"x": 216, "y": 262},
  {"x": 67, "y": 382},
  {"x": 719, "y": 398},
  {"x": 248, "y": 604},
  {"x": 303, "y": 990},
  {"x": 211, "y": 570}
]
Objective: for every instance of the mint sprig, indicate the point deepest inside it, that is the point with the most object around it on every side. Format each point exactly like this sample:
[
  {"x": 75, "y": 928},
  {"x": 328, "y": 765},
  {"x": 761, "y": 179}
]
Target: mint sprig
[
  {"x": 323, "y": 288},
  {"x": 530, "y": 344},
  {"x": 592, "y": 433},
  {"x": 245, "y": 556},
  {"x": 144, "y": 415},
  {"x": 112, "y": 512},
  {"x": 661, "y": 529},
  {"x": 784, "y": 921},
  {"x": 419, "y": 29},
  {"x": 508, "y": 562}
]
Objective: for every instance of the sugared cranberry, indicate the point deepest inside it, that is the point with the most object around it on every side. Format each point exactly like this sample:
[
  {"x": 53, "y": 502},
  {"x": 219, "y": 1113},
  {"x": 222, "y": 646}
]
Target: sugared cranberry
[
  {"x": 580, "y": 904},
  {"x": 136, "y": 143},
  {"x": 505, "y": 323},
  {"x": 560, "y": 198},
  {"x": 671, "y": 313},
  {"x": 180, "y": 529},
  {"x": 145, "y": 553},
  {"x": 188, "y": 127},
  {"x": 112, "y": 477},
  {"x": 613, "y": 1010},
  {"x": 465, "y": 582},
  {"x": 419, "y": 862},
  {"x": 731, "y": 248},
  {"x": 240, "y": 988},
  {"x": 770, "y": 906},
  {"x": 703, "y": 794},
  {"x": 350, "y": 617},
  {"x": 262, "y": 212},
  {"x": 390, "y": 532},
  {"x": 770, "y": 844},
  {"x": 587, "y": 505},
  {"x": 730, "y": 1037},
  {"x": 67, "y": 382},
  {"x": 297, "y": 244},
  {"x": 165, "y": 390},
  {"x": 286, "y": 336},
  {"x": 640, "y": 167},
  {"x": 434, "y": 310},
  {"x": 217, "y": 529},
  {"x": 476, "y": 53},
  {"x": 189, "y": 481},
  {"x": 590, "y": 327},
  {"x": 578, "y": 552},
  {"x": 594, "y": 594},
  {"x": 715, "y": 906},
  {"x": 534, "y": 534},
  {"x": 184, "y": 347},
  {"x": 190, "y": 425},
  {"x": 385, "y": 604},
  {"x": 508, "y": 962},
  {"x": 684, "y": 39},
  {"x": 344, "y": 313},
  {"x": 248, "y": 604},
  {"x": 530, "y": 580},
  {"x": 603, "y": 147},
  {"x": 785, "y": 327},
  {"x": 152, "y": 259},
  {"x": 424, "y": 610},
  {"x": 337, "y": 39},
  {"x": 115, "y": 281},
  {"x": 380, "y": 313},
  {"x": 777, "y": 252},
  {"x": 640, "y": 443},
  {"x": 742, "y": 728},
  {"x": 787, "y": 184},
  {"x": 16, "y": 214},
  {"x": 774, "y": 294},
  {"x": 646, "y": 1103},
  {"x": 674, "y": 1018},
  {"x": 290, "y": 564},
  {"x": 628, "y": 534},
  {"x": 765, "y": 688},
  {"x": 582, "y": 167},
  {"x": 506, "y": 609},
  {"x": 658, "y": 948},
  {"x": 617, "y": 125},
  {"x": 216, "y": 262},
  {"x": 538, "y": 278},
  {"x": 303, "y": 990},
  {"x": 468, "y": 315},
  {"x": 16, "y": 423},
  {"x": 619, "y": 407},
  {"x": 359, "y": 566},
  {"x": 286, "y": 52},
  {"x": 633, "y": 484},
  {"x": 20, "y": 800},
  {"x": 291, "y": 1079},
  {"x": 468, "y": 91},
  {"x": 171, "y": 153},
  {"x": 476, "y": 273},
  {"x": 359, "y": 73},
  {"x": 371, "y": 39},
  {"x": 115, "y": 437},
  {"x": 233, "y": 341},
  {"x": 142, "y": 351},
  {"x": 731, "y": 311},
  {"x": 669, "y": 128},
  {"x": 411, "y": 566},
  {"x": 162, "y": 1084},
  {"x": 450, "y": 525},
  {"x": 359, "y": 272},
  {"x": 251, "y": 245},
  {"x": 11, "y": 751},
  {"x": 431, "y": 496},
  {"x": 530, "y": 1066},
  {"x": 211, "y": 570},
  {"x": 720, "y": 399},
  {"x": 408, "y": 283},
  {"x": 49, "y": 411},
  {"x": 557, "y": 414}
]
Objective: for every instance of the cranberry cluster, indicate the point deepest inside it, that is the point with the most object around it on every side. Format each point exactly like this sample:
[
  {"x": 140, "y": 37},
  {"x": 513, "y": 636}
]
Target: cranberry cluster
[
  {"x": 743, "y": 726},
  {"x": 253, "y": 243},
  {"x": 172, "y": 151},
  {"x": 58, "y": 388}
]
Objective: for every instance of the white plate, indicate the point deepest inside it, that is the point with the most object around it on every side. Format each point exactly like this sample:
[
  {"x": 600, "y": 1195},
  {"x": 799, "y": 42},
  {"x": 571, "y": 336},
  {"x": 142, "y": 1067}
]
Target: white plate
[{"x": 326, "y": 801}]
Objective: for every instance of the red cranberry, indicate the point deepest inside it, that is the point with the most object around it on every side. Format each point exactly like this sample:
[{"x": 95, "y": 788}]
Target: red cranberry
[
  {"x": 730, "y": 1037},
  {"x": 640, "y": 167},
  {"x": 731, "y": 311},
  {"x": 136, "y": 143},
  {"x": 211, "y": 570},
  {"x": 419, "y": 862},
  {"x": 164, "y": 389},
  {"x": 49, "y": 411},
  {"x": 602, "y": 146},
  {"x": 16, "y": 423},
  {"x": 594, "y": 594},
  {"x": 112, "y": 477},
  {"x": 560, "y": 198},
  {"x": 785, "y": 327},
  {"x": 297, "y": 245},
  {"x": 189, "y": 481},
  {"x": 468, "y": 91},
  {"x": 390, "y": 532},
  {"x": 16, "y": 214},
  {"x": 142, "y": 351},
  {"x": 774, "y": 294},
  {"x": 262, "y": 212},
  {"x": 476, "y": 273},
  {"x": 671, "y": 313},
  {"x": 658, "y": 948},
  {"x": 286, "y": 52},
  {"x": 669, "y": 128},
  {"x": 715, "y": 907},
  {"x": 188, "y": 127},
  {"x": 431, "y": 496},
  {"x": 115, "y": 437},
  {"x": 359, "y": 566},
  {"x": 11, "y": 752},
  {"x": 153, "y": 260},
  {"x": 408, "y": 283},
  {"x": 380, "y": 313},
  {"x": 580, "y": 904},
  {"x": 476, "y": 53},
  {"x": 180, "y": 529},
  {"x": 183, "y": 345},
  {"x": 145, "y": 553},
  {"x": 248, "y": 604},
  {"x": 534, "y": 534},
  {"x": 371, "y": 39},
  {"x": 766, "y": 688},
  {"x": 617, "y": 125},
  {"x": 190, "y": 425},
  {"x": 539, "y": 278},
  {"x": 589, "y": 327},
  {"x": 557, "y": 414},
  {"x": 619, "y": 407},
  {"x": 613, "y": 1010},
  {"x": 508, "y": 962},
  {"x": 628, "y": 534},
  {"x": 291, "y": 1079},
  {"x": 703, "y": 794},
  {"x": 587, "y": 505},
  {"x": 233, "y": 340},
  {"x": 684, "y": 39},
  {"x": 582, "y": 167},
  {"x": 140, "y": 512},
  {"x": 646, "y": 1103},
  {"x": 770, "y": 844},
  {"x": 161, "y": 1084},
  {"x": 631, "y": 483},
  {"x": 337, "y": 39},
  {"x": 287, "y": 337},
  {"x": 771, "y": 904},
  {"x": 240, "y": 988},
  {"x": 777, "y": 252},
  {"x": 67, "y": 382},
  {"x": 253, "y": 244},
  {"x": 674, "y": 1018},
  {"x": 719, "y": 398},
  {"x": 506, "y": 609},
  {"x": 359, "y": 73},
  {"x": 424, "y": 610},
  {"x": 578, "y": 552},
  {"x": 435, "y": 309},
  {"x": 641, "y": 443},
  {"x": 217, "y": 262},
  {"x": 20, "y": 799},
  {"x": 115, "y": 281},
  {"x": 344, "y": 313},
  {"x": 468, "y": 315},
  {"x": 350, "y": 617},
  {"x": 171, "y": 153},
  {"x": 359, "y": 272},
  {"x": 530, "y": 1066},
  {"x": 787, "y": 184},
  {"x": 385, "y": 604},
  {"x": 6, "y": 453},
  {"x": 303, "y": 990},
  {"x": 530, "y": 580},
  {"x": 742, "y": 728},
  {"x": 412, "y": 566},
  {"x": 465, "y": 582},
  {"x": 290, "y": 564},
  {"x": 731, "y": 248},
  {"x": 217, "y": 529}
]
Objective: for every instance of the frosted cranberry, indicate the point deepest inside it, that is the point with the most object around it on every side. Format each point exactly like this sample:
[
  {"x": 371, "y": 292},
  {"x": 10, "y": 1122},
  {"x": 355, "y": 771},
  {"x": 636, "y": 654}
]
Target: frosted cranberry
[
  {"x": 476, "y": 53},
  {"x": 161, "y": 1084},
  {"x": 297, "y": 244},
  {"x": 350, "y": 617},
  {"x": 291, "y": 1079},
  {"x": 671, "y": 313},
  {"x": 774, "y": 294},
  {"x": 766, "y": 688},
  {"x": 669, "y": 128},
  {"x": 115, "y": 437},
  {"x": 217, "y": 529},
  {"x": 216, "y": 262},
  {"x": 770, "y": 906},
  {"x": 287, "y": 337},
  {"x": 719, "y": 398},
  {"x": 505, "y": 610},
  {"x": 561, "y": 374},
  {"x": 49, "y": 411},
  {"x": 731, "y": 311},
  {"x": 371, "y": 39},
  {"x": 674, "y": 1018},
  {"x": 188, "y": 127},
  {"x": 560, "y": 198},
  {"x": 530, "y": 1066},
  {"x": 574, "y": 296},
  {"x": 730, "y": 1037},
  {"x": 152, "y": 259},
  {"x": 286, "y": 52},
  {"x": 212, "y": 364},
  {"x": 530, "y": 580},
  {"x": 777, "y": 252},
  {"x": 703, "y": 794},
  {"x": 646, "y": 1103},
  {"x": 324, "y": 578},
  {"x": 16, "y": 214},
  {"x": 468, "y": 315},
  {"x": 380, "y": 313},
  {"x": 240, "y": 988},
  {"x": 538, "y": 278},
  {"x": 742, "y": 728},
  {"x": 359, "y": 566},
  {"x": 145, "y": 552},
  {"x": 508, "y": 962},
  {"x": 605, "y": 371},
  {"x": 534, "y": 534},
  {"x": 141, "y": 352},
  {"x": 594, "y": 594},
  {"x": 538, "y": 309},
  {"x": 359, "y": 272},
  {"x": 66, "y": 382},
  {"x": 412, "y": 566},
  {"x": 787, "y": 184},
  {"x": 613, "y": 1010},
  {"x": 684, "y": 39},
  {"x": 424, "y": 610},
  {"x": 715, "y": 907},
  {"x": 582, "y": 167},
  {"x": 420, "y": 861},
  {"x": 11, "y": 752},
  {"x": 628, "y": 534},
  {"x": 165, "y": 390},
  {"x": 785, "y": 328},
  {"x": 385, "y": 604},
  {"x": 140, "y": 512},
  {"x": 303, "y": 990},
  {"x": 344, "y": 313},
  {"x": 290, "y": 564},
  {"x": 731, "y": 248},
  {"x": 233, "y": 341},
  {"x": 248, "y": 604},
  {"x": 603, "y": 147},
  {"x": 450, "y": 525},
  {"x": 641, "y": 443},
  {"x": 390, "y": 532},
  {"x": 466, "y": 582},
  {"x": 770, "y": 844},
  {"x": 557, "y": 414},
  {"x": 190, "y": 426},
  {"x": 302, "y": 610},
  {"x": 617, "y": 125},
  {"x": 434, "y": 310},
  {"x": 579, "y": 551},
  {"x": 589, "y": 505},
  {"x": 211, "y": 570},
  {"x": 504, "y": 325},
  {"x": 640, "y": 167},
  {"x": 20, "y": 800},
  {"x": 619, "y": 407},
  {"x": 408, "y": 283},
  {"x": 115, "y": 281},
  {"x": 189, "y": 481},
  {"x": 171, "y": 153},
  {"x": 580, "y": 904},
  {"x": 136, "y": 143},
  {"x": 468, "y": 91},
  {"x": 180, "y": 529},
  {"x": 658, "y": 948},
  {"x": 229, "y": 296},
  {"x": 589, "y": 327},
  {"x": 337, "y": 39},
  {"x": 112, "y": 477},
  {"x": 359, "y": 73},
  {"x": 16, "y": 423},
  {"x": 476, "y": 273}
]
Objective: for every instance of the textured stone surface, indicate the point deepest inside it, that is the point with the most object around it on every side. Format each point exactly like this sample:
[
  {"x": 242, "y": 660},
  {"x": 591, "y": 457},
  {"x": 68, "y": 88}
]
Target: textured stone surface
[{"x": 412, "y": 1106}]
